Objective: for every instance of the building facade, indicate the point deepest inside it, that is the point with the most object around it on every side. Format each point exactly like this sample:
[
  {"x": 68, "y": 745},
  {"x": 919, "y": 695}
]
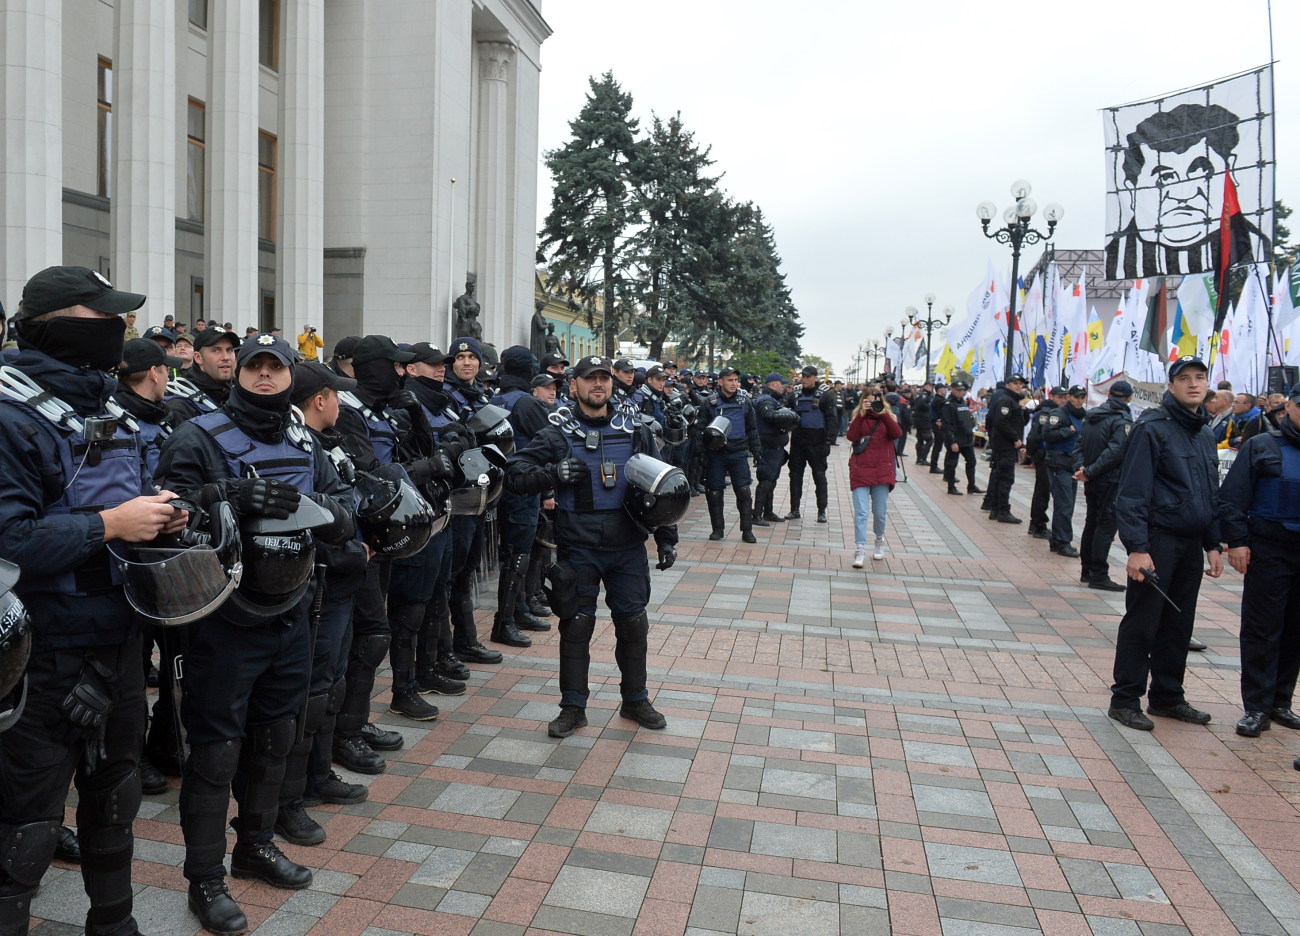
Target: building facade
[{"x": 340, "y": 163}]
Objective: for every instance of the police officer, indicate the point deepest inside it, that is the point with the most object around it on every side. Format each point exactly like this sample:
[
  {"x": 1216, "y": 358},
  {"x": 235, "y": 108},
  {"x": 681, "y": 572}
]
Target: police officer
[
  {"x": 1005, "y": 426},
  {"x": 773, "y": 439},
  {"x": 598, "y": 541},
  {"x": 1168, "y": 513},
  {"x": 732, "y": 458},
  {"x": 206, "y": 383},
  {"x": 624, "y": 379},
  {"x": 1061, "y": 452},
  {"x": 556, "y": 366},
  {"x": 1260, "y": 507},
  {"x": 697, "y": 393},
  {"x": 341, "y": 360},
  {"x": 942, "y": 437},
  {"x": 923, "y": 422},
  {"x": 810, "y": 444},
  {"x": 1105, "y": 434},
  {"x": 959, "y": 429},
  {"x": 71, "y": 480},
  {"x": 246, "y": 668}
]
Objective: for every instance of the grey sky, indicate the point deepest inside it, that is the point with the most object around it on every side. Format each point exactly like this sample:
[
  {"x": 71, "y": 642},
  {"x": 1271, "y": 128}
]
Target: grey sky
[{"x": 868, "y": 132}]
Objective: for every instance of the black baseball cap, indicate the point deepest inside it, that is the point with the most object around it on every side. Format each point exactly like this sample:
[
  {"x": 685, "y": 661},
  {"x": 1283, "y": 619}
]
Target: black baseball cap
[
  {"x": 426, "y": 353},
  {"x": 1121, "y": 388},
  {"x": 1187, "y": 360},
  {"x": 60, "y": 287},
  {"x": 380, "y": 347},
  {"x": 156, "y": 333},
  {"x": 1059, "y": 391},
  {"x": 264, "y": 344},
  {"x": 1014, "y": 378},
  {"x": 210, "y": 336},
  {"x": 809, "y": 371},
  {"x": 774, "y": 376},
  {"x": 959, "y": 385},
  {"x": 623, "y": 364},
  {"x": 550, "y": 360},
  {"x": 345, "y": 347},
  {"x": 1078, "y": 390},
  {"x": 544, "y": 380},
  {"x": 656, "y": 371},
  {"x": 590, "y": 365},
  {"x": 727, "y": 372},
  {"x": 140, "y": 354},
  {"x": 311, "y": 377}
]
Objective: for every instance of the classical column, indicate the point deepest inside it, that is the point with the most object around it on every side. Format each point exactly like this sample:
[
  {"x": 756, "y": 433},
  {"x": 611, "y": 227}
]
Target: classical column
[
  {"x": 494, "y": 216},
  {"x": 143, "y": 217},
  {"x": 300, "y": 240},
  {"x": 230, "y": 229},
  {"x": 31, "y": 142}
]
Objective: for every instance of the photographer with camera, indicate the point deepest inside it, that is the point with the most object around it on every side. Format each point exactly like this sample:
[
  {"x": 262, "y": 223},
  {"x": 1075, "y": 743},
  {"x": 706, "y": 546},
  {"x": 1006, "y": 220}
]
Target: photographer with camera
[
  {"x": 309, "y": 343},
  {"x": 873, "y": 434}
]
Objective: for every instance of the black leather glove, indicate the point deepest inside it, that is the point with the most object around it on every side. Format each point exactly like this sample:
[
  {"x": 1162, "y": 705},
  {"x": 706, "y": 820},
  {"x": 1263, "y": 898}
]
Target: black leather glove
[
  {"x": 437, "y": 467},
  {"x": 266, "y": 497},
  {"x": 403, "y": 400},
  {"x": 572, "y": 471},
  {"x": 87, "y": 703},
  {"x": 667, "y": 556}
]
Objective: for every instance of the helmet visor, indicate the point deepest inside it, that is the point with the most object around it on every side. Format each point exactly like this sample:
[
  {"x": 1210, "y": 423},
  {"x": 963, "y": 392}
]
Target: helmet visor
[{"x": 171, "y": 587}]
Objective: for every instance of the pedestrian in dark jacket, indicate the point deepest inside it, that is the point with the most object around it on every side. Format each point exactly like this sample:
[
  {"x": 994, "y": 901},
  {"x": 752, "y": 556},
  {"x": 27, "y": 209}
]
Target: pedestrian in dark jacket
[
  {"x": 1105, "y": 436},
  {"x": 1168, "y": 513}
]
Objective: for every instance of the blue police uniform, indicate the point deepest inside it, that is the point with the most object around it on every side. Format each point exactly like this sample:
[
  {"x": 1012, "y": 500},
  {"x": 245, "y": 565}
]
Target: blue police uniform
[
  {"x": 742, "y": 444},
  {"x": 810, "y": 445},
  {"x": 1061, "y": 435},
  {"x": 772, "y": 455}
]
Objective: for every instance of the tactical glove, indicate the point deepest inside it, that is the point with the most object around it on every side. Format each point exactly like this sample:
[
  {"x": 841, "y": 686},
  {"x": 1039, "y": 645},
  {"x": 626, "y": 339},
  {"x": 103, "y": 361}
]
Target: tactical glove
[
  {"x": 572, "y": 471},
  {"x": 266, "y": 497}
]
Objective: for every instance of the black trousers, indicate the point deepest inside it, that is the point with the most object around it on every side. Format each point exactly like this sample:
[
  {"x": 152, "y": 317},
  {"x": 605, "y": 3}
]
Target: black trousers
[
  {"x": 924, "y": 439},
  {"x": 811, "y": 455},
  {"x": 1152, "y": 641},
  {"x": 1002, "y": 478},
  {"x": 1042, "y": 495},
  {"x": 1064, "y": 491},
  {"x": 941, "y": 442},
  {"x": 1270, "y": 623},
  {"x": 1098, "y": 529},
  {"x": 950, "y": 459}
]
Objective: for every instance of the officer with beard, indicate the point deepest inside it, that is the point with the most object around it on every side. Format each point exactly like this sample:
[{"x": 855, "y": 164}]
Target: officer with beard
[
  {"x": 208, "y": 379},
  {"x": 246, "y": 668},
  {"x": 72, "y": 478},
  {"x": 598, "y": 542}
]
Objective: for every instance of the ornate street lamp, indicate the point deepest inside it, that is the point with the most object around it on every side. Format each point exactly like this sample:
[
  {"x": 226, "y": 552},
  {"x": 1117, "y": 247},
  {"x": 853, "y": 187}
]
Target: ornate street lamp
[
  {"x": 874, "y": 352},
  {"x": 1017, "y": 232},
  {"x": 928, "y": 323}
]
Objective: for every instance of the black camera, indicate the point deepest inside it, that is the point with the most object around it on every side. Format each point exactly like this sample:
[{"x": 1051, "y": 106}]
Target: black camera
[
  {"x": 877, "y": 403},
  {"x": 98, "y": 429}
]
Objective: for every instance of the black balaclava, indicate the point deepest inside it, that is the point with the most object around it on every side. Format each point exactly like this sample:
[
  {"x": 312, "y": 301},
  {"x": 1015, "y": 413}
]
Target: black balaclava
[
  {"x": 261, "y": 415},
  {"x": 377, "y": 380},
  {"x": 94, "y": 343}
]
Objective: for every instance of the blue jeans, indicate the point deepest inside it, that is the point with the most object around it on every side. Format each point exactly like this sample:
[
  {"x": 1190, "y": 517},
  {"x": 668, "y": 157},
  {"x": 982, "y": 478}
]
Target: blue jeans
[{"x": 872, "y": 499}]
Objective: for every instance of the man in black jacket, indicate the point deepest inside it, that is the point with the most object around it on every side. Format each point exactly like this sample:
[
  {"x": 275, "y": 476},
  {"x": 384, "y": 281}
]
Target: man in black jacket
[
  {"x": 923, "y": 423},
  {"x": 1105, "y": 435},
  {"x": 1042, "y": 496},
  {"x": 942, "y": 437},
  {"x": 810, "y": 443},
  {"x": 1061, "y": 434},
  {"x": 209, "y": 376},
  {"x": 1168, "y": 513},
  {"x": 773, "y": 455},
  {"x": 598, "y": 542},
  {"x": 959, "y": 426},
  {"x": 732, "y": 459},
  {"x": 1005, "y": 426}
]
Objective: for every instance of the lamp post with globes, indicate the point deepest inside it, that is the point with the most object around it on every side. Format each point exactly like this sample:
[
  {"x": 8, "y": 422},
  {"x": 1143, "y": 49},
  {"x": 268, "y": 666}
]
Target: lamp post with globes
[
  {"x": 873, "y": 352},
  {"x": 1017, "y": 232},
  {"x": 928, "y": 323}
]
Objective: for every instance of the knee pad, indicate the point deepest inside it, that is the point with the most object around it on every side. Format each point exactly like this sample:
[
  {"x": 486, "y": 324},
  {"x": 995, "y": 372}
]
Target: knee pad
[
  {"x": 633, "y": 629},
  {"x": 578, "y": 628},
  {"x": 404, "y": 620},
  {"x": 27, "y": 850},
  {"x": 214, "y": 763},
  {"x": 334, "y": 698},
  {"x": 272, "y": 741},
  {"x": 317, "y": 709},
  {"x": 112, "y": 806},
  {"x": 370, "y": 649}
]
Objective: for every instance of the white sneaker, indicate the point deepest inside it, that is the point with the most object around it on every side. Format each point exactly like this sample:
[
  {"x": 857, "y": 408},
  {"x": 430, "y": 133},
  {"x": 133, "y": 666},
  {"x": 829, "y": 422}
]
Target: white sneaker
[
  {"x": 860, "y": 556},
  {"x": 879, "y": 551}
]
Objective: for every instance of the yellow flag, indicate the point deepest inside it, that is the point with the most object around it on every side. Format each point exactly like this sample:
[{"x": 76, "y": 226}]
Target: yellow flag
[
  {"x": 1096, "y": 334},
  {"x": 947, "y": 361}
]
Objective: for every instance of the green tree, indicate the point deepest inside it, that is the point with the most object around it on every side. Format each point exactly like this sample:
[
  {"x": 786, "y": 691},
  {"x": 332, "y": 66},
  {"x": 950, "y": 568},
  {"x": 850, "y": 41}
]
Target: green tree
[
  {"x": 823, "y": 366},
  {"x": 584, "y": 240},
  {"x": 760, "y": 312},
  {"x": 761, "y": 363}
]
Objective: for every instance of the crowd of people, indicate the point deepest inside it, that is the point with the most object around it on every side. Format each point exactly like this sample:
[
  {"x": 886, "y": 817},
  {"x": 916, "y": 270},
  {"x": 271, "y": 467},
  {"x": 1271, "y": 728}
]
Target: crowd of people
[{"x": 311, "y": 520}]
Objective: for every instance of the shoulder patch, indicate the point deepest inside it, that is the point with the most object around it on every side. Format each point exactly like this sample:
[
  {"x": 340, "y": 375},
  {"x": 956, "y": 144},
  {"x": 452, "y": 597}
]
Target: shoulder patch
[
  {"x": 1053, "y": 419},
  {"x": 1128, "y": 427},
  {"x": 1004, "y": 410}
]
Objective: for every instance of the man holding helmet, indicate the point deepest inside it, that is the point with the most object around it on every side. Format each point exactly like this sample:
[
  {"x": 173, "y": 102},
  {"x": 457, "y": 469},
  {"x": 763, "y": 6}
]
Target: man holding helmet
[
  {"x": 84, "y": 715},
  {"x": 585, "y": 462},
  {"x": 732, "y": 457},
  {"x": 246, "y": 673},
  {"x": 775, "y": 420},
  {"x": 810, "y": 443}
]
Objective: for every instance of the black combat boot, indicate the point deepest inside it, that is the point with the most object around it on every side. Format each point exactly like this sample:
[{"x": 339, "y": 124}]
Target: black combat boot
[
  {"x": 714, "y": 500},
  {"x": 745, "y": 507}
]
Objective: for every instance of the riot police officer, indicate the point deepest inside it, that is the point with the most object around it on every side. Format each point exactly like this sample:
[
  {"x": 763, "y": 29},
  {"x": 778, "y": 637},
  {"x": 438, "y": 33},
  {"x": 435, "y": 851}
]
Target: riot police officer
[
  {"x": 923, "y": 422},
  {"x": 775, "y": 420},
  {"x": 959, "y": 433},
  {"x": 810, "y": 444},
  {"x": 732, "y": 455},
  {"x": 1061, "y": 435},
  {"x": 205, "y": 385},
  {"x": 1260, "y": 506},
  {"x": 942, "y": 437},
  {"x": 246, "y": 669},
  {"x": 72, "y": 479},
  {"x": 1005, "y": 427},
  {"x": 585, "y": 463}
]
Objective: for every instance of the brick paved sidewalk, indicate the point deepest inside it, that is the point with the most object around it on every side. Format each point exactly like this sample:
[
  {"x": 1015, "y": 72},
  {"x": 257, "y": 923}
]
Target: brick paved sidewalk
[{"x": 920, "y": 748}]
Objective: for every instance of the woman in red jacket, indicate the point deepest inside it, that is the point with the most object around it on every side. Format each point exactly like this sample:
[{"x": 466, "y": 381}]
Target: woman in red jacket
[{"x": 871, "y": 469}]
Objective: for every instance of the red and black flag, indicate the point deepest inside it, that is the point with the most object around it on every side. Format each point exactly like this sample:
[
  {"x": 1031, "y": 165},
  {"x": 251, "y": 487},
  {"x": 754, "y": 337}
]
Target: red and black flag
[
  {"x": 1157, "y": 321},
  {"x": 1234, "y": 249}
]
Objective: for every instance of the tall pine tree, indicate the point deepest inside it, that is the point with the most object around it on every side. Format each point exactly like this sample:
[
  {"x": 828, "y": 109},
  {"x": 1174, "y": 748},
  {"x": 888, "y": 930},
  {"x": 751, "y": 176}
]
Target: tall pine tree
[{"x": 584, "y": 241}]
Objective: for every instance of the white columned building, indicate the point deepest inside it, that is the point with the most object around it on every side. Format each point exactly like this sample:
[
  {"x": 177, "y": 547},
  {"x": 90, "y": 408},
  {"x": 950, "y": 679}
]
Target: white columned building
[
  {"x": 31, "y": 142},
  {"x": 493, "y": 173}
]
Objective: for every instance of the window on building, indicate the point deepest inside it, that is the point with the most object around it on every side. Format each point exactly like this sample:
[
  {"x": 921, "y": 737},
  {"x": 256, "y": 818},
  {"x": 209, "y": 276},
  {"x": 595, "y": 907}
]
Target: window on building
[
  {"x": 266, "y": 318},
  {"x": 199, "y": 13},
  {"x": 104, "y": 130},
  {"x": 196, "y": 143},
  {"x": 196, "y": 298},
  {"x": 269, "y": 33},
  {"x": 266, "y": 186}
]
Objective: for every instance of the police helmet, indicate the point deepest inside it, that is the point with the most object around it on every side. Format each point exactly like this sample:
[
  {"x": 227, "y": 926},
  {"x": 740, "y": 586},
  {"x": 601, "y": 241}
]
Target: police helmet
[
  {"x": 437, "y": 494},
  {"x": 15, "y": 648},
  {"x": 480, "y": 477},
  {"x": 784, "y": 419},
  {"x": 716, "y": 432},
  {"x": 279, "y": 557},
  {"x": 491, "y": 426},
  {"x": 394, "y": 520},
  {"x": 658, "y": 493},
  {"x": 178, "y": 578},
  {"x": 675, "y": 425}
]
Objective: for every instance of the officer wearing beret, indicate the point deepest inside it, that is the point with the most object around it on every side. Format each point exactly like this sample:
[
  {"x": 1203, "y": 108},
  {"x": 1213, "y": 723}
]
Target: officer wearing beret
[{"x": 72, "y": 478}]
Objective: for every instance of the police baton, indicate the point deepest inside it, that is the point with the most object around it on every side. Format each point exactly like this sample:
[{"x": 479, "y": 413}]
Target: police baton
[
  {"x": 1150, "y": 576},
  {"x": 317, "y": 602}
]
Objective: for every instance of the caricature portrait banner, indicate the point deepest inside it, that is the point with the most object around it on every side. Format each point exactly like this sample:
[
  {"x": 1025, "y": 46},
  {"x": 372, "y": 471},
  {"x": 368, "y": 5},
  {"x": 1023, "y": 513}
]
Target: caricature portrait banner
[{"x": 1165, "y": 163}]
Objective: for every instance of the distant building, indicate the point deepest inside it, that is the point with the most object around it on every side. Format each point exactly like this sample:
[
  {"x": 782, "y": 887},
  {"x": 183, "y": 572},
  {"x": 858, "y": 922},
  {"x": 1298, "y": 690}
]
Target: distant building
[{"x": 278, "y": 161}]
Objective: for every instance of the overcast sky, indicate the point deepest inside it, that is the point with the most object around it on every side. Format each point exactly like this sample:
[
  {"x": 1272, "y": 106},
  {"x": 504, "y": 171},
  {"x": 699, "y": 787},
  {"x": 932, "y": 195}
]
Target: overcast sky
[{"x": 868, "y": 135}]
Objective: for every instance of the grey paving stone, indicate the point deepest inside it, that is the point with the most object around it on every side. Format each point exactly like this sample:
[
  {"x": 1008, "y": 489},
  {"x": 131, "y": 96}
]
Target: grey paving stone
[
  {"x": 971, "y": 928},
  {"x": 927, "y": 752},
  {"x": 368, "y": 845},
  {"x": 463, "y": 903},
  {"x": 988, "y": 865},
  {"x": 486, "y": 873},
  {"x": 498, "y": 845},
  {"x": 442, "y": 867},
  {"x": 445, "y": 838},
  {"x": 937, "y": 799},
  {"x": 804, "y": 888},
  {"x": 494, "y": 928},
  {"x": 778, "y": 915},
  {"x": 715, "y": 908},
  {"x": 1088, "y": 877},
  {"x": 581, "y": 922},
  {"x": 980, "y": 911},
  {"x": 1111, "y": 926},
  {"x": 853, "y": 894},
  {"x": 685, "y": 854},
  {"x": 798, "y": 783},
  {"x": 744, "y": 778},
  {"x": 801, "y": 740},
  {"x": 467, "y": 800},
  {"x": 793, "y": 842},
  {"x": 419, "y": 896},
  {"x": 611, "y": 861},
  {"x": 869, "y": 921},
  {"x": 532, "y": 808},
  {"x": 732, "y": 834},
  {"x": 420, "y": 793},
  {"x": 633, "y": 821},
  {"x": 594, "y": 891},
  {"x": 553, "y": 835},
  {"x": 912, "y": 883},
  {"x": 653, "y": 767},
  {"x": 826, "y": 807}
]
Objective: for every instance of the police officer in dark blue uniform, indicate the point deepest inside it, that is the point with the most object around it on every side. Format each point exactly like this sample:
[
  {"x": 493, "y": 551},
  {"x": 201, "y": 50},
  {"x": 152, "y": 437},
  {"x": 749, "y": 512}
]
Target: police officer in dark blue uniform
[
  {"x": 1061, "y": 435},
  {"x": 204, "y": 386},
  {"x": 1168, "y": 509},
  {"x": 773, "y": 438},
  {"x": 1005, "y": 426},
  {"x": 1260, "y": 508},
  {"x": 1105, "y": 434},
  {"x": 942, "y": 437},
  {"x": 246, "y": 669},
  {"x": 732, "y": 457},
  {"x": 1041, "y": 498},
  {"x": 71, "y": 480},
  {"x": 598, "y": 541},
  {"x": 959, "y": 436},
  {"x": 810, "y": 444}
]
